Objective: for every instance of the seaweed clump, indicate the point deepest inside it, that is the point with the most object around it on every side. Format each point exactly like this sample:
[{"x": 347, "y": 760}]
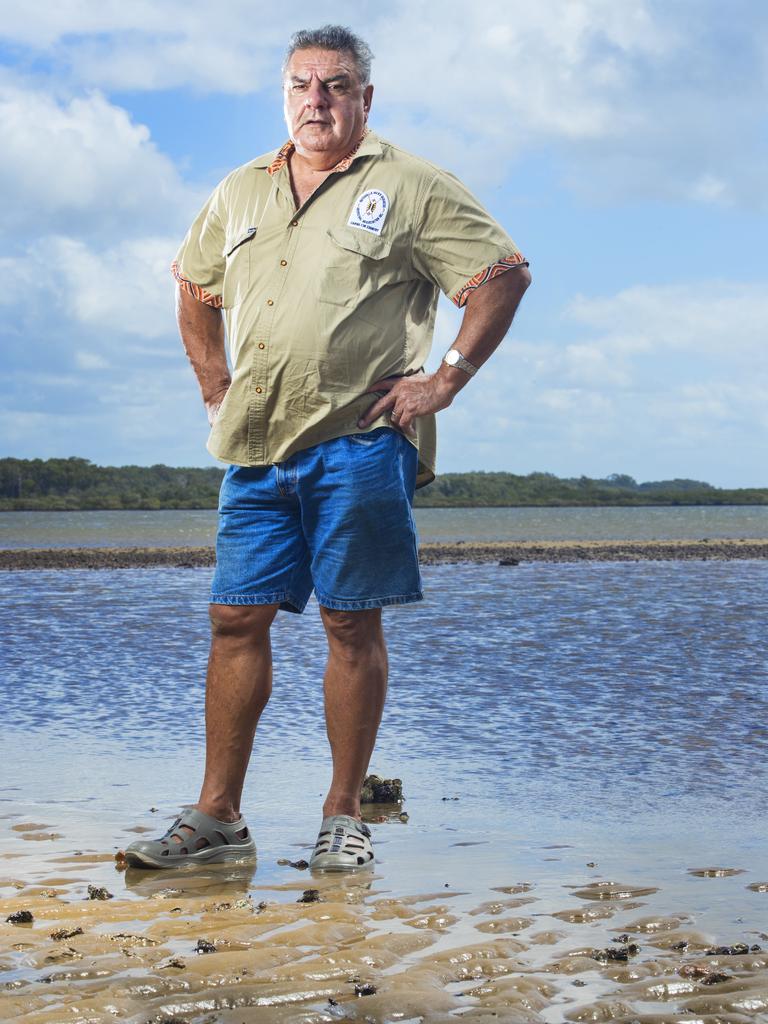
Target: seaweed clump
[
  {"x": 98, "y": 892},
  {"x": 381, "y": 791},
  {"x": 615, "y": 954},
  {"x": 364, "y": 988},
  {"x": 20, "y": 917},
  {"x": 737, "y": 949},
  {"x": 309, "y": 896},
  {"x": 65, "y": 933}
]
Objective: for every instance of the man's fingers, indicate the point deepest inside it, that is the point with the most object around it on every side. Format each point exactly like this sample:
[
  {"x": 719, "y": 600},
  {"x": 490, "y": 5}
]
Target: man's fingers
[
  {"x": 385, "y": 384},
  {"x": 403, "y": 421},
  {"x": 406, "y": 426},
  {"x": 376, "y": 410}
]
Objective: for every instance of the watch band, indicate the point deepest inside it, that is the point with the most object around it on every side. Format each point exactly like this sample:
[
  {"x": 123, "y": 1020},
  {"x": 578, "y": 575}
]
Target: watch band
[{"x": 454, "y": 358}]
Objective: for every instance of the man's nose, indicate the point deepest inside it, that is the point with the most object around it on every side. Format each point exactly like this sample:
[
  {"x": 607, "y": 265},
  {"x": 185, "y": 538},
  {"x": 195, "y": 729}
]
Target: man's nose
[{"x": 315, "y": 94}]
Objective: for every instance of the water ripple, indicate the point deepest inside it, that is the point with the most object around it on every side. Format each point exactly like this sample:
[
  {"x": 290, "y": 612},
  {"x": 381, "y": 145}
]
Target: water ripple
[{"x": 645, "y": 678}]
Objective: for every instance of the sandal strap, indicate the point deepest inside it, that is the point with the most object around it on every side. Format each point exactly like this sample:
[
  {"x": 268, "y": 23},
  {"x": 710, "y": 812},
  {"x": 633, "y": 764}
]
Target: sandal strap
[
  {"x": 341, "y": 833},
  {"x": 217, "y": 833}
]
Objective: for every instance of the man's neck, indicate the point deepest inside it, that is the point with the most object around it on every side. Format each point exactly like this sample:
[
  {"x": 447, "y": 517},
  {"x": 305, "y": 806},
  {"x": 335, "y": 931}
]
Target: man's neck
[
  {"x": 306, "y": 179},
  {"x": 313, "y": 163},
  {"x": 323, "y": 162}
]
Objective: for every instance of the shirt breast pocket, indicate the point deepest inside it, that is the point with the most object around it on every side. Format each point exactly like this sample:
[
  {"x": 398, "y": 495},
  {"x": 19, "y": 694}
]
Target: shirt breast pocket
[
  {"x": 237, "y": 272},
  {"x": 356, "y": 264}
]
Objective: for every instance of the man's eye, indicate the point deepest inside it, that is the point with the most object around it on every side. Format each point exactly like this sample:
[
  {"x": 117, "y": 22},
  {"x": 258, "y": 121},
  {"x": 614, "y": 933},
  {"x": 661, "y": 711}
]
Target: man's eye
[{"x": 298, "y": 87}]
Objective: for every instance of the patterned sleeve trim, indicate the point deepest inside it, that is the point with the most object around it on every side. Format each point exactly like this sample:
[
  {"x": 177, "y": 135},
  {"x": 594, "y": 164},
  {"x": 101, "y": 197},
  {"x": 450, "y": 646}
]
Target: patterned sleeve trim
[
  {"x": 194, "y": 289},
  {"x": 500, "y": 267}
]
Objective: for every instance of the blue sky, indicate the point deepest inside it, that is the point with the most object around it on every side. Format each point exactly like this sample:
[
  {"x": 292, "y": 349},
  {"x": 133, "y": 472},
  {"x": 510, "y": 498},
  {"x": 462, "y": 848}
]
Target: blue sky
[{"x": 622, "y": 143}]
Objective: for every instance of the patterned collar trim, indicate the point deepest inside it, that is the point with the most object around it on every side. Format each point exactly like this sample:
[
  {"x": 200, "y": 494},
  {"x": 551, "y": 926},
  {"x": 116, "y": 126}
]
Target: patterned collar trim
[{"x": 343, "y": 165}]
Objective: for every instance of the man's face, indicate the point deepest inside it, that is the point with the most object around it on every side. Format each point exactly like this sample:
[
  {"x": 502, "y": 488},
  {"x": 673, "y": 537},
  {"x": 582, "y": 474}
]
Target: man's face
[{"x": 325, "y": 105}]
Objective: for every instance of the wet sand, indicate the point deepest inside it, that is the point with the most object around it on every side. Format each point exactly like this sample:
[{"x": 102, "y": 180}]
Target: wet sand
[
  {"x": 430, "y": 554},
  {"x": 213, "y": 945}
]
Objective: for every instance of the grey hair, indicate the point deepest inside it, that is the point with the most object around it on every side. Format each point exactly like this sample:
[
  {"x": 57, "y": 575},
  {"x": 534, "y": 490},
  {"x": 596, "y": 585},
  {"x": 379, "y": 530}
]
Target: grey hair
[{"x": 333, "y": 37}]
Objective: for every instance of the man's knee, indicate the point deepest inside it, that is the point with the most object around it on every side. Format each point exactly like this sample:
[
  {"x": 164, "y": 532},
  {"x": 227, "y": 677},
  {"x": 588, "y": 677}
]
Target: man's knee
[
  {"x": 241, "y": 621},
  {"x": 353, "y": 631}
]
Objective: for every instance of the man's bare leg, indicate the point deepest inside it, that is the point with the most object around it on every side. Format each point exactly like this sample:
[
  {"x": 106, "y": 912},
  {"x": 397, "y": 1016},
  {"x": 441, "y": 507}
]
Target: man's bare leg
[
  {"x": 238, "y": 686},
  {"x": 355, "y": 688}
]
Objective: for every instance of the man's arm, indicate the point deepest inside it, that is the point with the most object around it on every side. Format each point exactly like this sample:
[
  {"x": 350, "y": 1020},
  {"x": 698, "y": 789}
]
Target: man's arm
[
  {"x": 487, "y": 316},
  {"x": 202, "y": 333}
]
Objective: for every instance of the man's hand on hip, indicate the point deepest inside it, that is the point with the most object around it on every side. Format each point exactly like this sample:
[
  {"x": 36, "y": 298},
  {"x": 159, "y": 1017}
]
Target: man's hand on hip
[
  {"x": 407, "y": 398},
  {"x": 487, "y": 316}
]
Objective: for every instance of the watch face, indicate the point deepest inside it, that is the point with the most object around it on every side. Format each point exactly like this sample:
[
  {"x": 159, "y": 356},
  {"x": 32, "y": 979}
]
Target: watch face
[{"x": 452, "y": 357}]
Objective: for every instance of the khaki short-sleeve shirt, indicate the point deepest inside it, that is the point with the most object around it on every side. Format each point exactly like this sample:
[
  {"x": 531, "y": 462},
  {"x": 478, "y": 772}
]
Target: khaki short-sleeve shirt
[{"x": 323, "y": 301}]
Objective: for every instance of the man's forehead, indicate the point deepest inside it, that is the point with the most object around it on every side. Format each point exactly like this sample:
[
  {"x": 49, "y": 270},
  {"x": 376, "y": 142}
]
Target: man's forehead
[{"x": 323, "y": 63}]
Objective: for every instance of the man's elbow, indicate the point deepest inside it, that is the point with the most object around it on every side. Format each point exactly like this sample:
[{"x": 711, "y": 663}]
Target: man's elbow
[
  {"x": 514, "y": 284},
  {"x": 523, "y": 276}
]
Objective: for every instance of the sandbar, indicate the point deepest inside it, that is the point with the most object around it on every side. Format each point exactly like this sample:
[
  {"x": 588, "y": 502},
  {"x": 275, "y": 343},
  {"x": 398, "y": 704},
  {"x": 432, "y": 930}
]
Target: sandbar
[{"x": 494, "y": 553}]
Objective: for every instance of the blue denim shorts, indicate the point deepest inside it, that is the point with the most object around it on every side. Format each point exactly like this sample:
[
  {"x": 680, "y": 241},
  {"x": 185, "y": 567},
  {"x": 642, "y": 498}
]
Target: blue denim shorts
[{"x": 335, "y": 518}]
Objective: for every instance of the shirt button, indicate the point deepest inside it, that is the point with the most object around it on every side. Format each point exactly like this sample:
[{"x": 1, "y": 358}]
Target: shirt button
[
  {"x": 270, "y": 302},
  {"x": 258, "y": 391},
  {"x": 294, "y": 223},
  {"x": 283, "y": 263},
  {"x": 261, "y": 344}
]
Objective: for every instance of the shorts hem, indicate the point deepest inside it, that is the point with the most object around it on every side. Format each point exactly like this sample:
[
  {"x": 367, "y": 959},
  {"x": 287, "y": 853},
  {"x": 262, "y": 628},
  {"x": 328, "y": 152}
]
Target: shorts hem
[
  {"x": 284, "y": 599},
  {"x": 340, "y": 604}
]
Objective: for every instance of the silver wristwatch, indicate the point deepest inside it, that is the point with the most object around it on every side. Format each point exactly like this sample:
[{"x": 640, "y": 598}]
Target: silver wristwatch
[{"x": 454, "y": 358}]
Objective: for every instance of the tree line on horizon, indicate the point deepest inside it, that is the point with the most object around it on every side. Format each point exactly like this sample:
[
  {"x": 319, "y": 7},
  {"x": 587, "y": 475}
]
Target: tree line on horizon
[{"x": 74, "y": 483}]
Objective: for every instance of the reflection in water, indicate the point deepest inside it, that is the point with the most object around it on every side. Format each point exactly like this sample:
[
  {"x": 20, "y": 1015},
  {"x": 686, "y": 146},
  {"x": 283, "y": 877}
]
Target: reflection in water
[{"x": 222, "y": 881}]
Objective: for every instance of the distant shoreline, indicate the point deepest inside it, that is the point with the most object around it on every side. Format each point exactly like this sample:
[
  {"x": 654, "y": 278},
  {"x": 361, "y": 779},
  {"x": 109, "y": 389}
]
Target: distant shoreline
[
  {"x": 76, "y": 484},
  {"x": 492, "y": 553}
]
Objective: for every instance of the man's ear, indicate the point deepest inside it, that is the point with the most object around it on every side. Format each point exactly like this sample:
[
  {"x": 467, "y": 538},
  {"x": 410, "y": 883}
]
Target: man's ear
[{"x": 367, "y": 98}]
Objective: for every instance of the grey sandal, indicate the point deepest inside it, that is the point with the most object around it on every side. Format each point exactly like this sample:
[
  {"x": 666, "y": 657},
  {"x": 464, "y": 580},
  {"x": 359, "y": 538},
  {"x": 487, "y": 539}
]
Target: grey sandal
[
  {"x": 344, "y": 844},
  {"x": 194, "y": 838}
]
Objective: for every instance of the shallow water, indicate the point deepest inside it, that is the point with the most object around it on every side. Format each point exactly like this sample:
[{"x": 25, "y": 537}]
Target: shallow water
[
  {"x": 554, "y": 677},
  {"x": 197, "y": 527},
  {"x": 559, "y": 727}
]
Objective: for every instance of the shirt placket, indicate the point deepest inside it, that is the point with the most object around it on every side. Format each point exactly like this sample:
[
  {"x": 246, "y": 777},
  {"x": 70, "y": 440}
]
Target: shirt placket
[{"x": 282, "y": 258}]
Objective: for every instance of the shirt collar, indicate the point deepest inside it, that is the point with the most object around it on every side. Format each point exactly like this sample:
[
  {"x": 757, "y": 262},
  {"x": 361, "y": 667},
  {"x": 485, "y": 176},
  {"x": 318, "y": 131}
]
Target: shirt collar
[{"x": 274, "y": 161}]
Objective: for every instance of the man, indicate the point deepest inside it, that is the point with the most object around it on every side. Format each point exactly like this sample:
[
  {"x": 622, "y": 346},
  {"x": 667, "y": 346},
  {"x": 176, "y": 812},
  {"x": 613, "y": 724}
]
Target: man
[{"x": 326, "y": 257}]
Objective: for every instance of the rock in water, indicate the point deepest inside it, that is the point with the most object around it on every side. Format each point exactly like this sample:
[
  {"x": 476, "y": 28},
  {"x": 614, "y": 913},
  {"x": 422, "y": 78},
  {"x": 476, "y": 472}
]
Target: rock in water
[{"x": 381, "y": 791}]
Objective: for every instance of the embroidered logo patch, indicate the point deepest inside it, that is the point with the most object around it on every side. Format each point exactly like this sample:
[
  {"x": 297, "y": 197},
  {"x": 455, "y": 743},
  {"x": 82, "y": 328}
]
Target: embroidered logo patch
[{"x": 370, "y": 211}]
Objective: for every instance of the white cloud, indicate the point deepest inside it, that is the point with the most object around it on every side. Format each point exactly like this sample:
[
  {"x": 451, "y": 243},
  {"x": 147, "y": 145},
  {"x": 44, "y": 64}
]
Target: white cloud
[
  {"x": 519, "y": 73},
  {"x": 667, "y": 381},
  {"x": 148, "y": 45},
  {"x": 43, "y": 27},
  {"x": 116, "y": 295},
  {"x": 638, "y": 98},
  {"x": 82, "y": 165},
  {"x": 85, "y": 360},
  {"x": 720, "y": 318},
  {"x": 709, "y": 189},
  {"x": 121, "y": 290},
  {"x": 554, "y": 62},
  {"x": 143, "y": 416}
]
